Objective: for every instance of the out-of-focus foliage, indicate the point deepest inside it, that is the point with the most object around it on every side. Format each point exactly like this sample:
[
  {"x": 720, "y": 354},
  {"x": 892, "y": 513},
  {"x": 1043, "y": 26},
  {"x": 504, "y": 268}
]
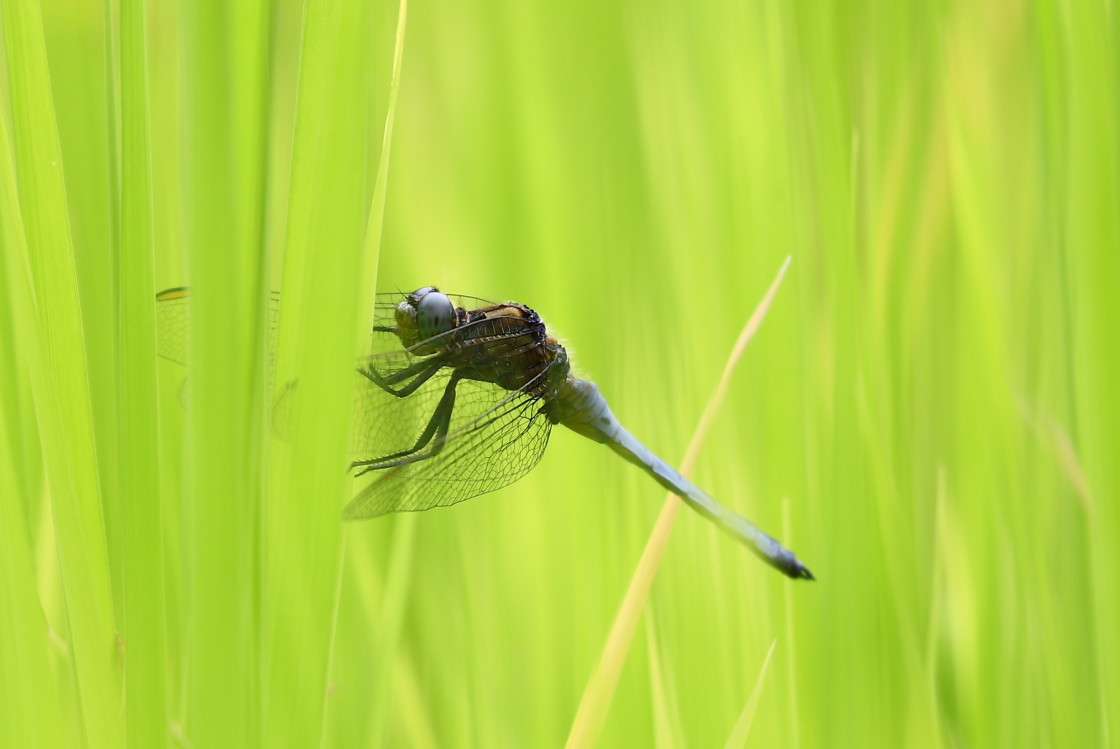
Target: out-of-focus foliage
[{"x": 928, "y": 416}]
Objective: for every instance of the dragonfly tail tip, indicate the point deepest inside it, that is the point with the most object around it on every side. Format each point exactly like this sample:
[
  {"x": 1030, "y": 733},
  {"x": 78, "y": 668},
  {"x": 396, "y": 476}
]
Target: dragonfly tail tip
[{"x": 798, "y": 571}]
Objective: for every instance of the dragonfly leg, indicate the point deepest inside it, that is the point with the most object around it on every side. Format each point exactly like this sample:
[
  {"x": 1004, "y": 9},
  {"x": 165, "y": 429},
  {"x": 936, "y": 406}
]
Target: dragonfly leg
[
  {"x": 436, "y": 429},
  {"x": 421, "y": 372}
]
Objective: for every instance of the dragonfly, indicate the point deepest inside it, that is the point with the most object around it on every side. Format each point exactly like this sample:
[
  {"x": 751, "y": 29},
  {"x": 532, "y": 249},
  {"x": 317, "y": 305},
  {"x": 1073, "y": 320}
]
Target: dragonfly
[{"x": 458, "y": 396}]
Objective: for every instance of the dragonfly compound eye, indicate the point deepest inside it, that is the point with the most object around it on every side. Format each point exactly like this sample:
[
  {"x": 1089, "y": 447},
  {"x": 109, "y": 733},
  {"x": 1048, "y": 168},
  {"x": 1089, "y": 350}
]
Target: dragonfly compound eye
[{"x": 435, "y": 314}]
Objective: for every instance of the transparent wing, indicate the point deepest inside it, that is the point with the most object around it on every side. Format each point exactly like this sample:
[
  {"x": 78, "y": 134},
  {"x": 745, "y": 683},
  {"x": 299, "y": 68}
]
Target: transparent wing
[
  {"x": 171, "y": 324},
  {"x": 489, "y": 437},
  {"x": 173, "y": 311},
  {"x": 173, "y": 317},
  {"x": 494, "y": 438},
  {"x": 442, "y": 438}
]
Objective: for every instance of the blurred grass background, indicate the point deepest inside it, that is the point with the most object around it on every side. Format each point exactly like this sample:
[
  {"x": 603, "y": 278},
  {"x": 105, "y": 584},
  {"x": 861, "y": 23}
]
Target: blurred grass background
[{"x": 928, "y": 415}]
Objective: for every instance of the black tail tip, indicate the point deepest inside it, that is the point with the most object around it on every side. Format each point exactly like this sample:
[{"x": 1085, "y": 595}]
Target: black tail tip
[{"x": 800, "y": 572}]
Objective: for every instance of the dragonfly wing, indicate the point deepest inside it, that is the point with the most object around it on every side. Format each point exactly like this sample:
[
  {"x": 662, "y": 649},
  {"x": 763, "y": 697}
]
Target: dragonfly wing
[
  {"x": 491, "y": 442},
  {"x": 171, "y": 324},
  {"x": 173, "y": 308}
]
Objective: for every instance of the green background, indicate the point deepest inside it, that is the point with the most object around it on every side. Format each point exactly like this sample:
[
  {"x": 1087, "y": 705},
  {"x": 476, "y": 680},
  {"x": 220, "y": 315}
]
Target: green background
[{"x": 928, "y": 415}]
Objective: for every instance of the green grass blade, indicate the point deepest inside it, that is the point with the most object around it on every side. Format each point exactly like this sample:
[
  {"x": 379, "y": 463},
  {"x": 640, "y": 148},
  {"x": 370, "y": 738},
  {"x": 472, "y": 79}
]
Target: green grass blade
[
  {"x": 144, "y": 627},
  {"x": 30, "y": 713},
  {"x": 375, "y": 225},
  {"x": 742, "y": 729},
  {"x": 325, "y": 274},
  {"x": 664, "y": 699},
  {"x": 389, "y": 661},
  {"x": 226, "y": 73},
  {"x": 936, "y": 396},
  {"x": 1090, "y": 245},
  {"x": 43, "y": 282}
]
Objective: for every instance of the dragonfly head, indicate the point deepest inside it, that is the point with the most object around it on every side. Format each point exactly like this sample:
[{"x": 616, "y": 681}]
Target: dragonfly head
[{"x": 423, "y": 314}]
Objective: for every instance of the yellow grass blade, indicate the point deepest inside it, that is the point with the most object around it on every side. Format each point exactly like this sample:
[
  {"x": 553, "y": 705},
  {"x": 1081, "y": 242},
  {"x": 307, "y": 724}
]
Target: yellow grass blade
[{"x": 597, "y": 696}]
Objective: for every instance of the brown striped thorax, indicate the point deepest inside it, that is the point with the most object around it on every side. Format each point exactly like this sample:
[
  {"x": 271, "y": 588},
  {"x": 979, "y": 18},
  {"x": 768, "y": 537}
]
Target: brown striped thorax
[{"x": 506, "y": 344}]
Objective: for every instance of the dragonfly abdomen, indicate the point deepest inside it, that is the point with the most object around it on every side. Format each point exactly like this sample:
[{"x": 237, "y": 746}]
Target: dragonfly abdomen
[{"x": 580, "y": 407}]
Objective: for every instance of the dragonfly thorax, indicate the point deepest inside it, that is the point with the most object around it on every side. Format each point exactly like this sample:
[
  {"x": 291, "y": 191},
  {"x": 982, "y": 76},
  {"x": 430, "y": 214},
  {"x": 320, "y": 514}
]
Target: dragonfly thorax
[
  {"x": 508, "y": 344},
  {"x": 505, "y": 344}
]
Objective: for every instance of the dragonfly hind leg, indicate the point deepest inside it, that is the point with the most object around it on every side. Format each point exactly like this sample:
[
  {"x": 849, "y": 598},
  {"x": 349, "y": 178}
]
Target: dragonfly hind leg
[{"x": 436, "y": 429}]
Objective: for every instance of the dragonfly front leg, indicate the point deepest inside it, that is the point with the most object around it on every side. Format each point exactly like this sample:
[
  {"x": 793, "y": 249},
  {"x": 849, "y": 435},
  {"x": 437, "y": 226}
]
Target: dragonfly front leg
[
  {"x": 436, "y": 429},
  {"x": 421, "y": 372}
]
